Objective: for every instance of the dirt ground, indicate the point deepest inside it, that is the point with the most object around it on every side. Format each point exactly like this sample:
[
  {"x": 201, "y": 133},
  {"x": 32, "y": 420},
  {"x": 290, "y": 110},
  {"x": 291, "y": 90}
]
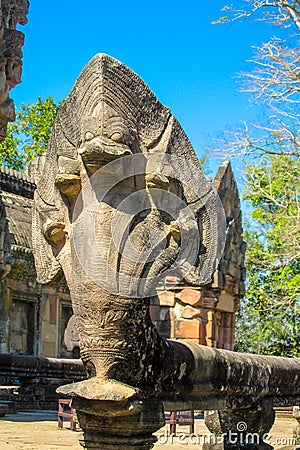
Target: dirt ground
[{"x": 38, "y": 430}]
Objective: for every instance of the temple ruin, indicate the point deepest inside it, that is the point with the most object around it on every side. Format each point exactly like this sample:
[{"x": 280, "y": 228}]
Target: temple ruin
[
  {"x": 206, "y": 314},
  {"x": 127, "y": 227},
  {"x": 33, "y": 317}
]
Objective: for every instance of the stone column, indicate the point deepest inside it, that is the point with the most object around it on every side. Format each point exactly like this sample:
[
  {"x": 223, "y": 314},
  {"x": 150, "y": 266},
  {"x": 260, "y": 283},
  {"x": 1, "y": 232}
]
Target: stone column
[
  {"x": 238, "y": 429},
  {"x": 209, "y": 308},
  {"x": 12, "y": 13}
]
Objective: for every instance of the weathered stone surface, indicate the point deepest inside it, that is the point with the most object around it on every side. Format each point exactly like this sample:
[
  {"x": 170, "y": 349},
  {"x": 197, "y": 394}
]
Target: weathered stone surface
[
  {"x": 97, "y": 125},
  {"x": 71, "y": 335},
  {"x": 229, "y": 278},
  {"x": 296, "y": 431},
  {"x": 154, "y": 312},
  {"x": 129, "y": 425},
  {"x": 244, "y": 428},
  {"x": 166, "y": 328},
  {"x": 166, "y": 298},
  {"x": 29, "y": 382},
  {"x": 112, "y": 117},
  {"x": 189, "y": 296},
  {"x": 7, "y": 407},
  {"x": 226, "y": 302},
  {"x": 223, "y": 294}
]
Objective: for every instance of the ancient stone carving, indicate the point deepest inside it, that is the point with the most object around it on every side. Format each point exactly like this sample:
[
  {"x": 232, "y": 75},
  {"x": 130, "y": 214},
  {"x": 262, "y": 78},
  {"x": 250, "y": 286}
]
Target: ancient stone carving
[
  {"x": 112, "y": 143},
  {"x": 121, "y": 202},
  {"x": 71, "y": 337},
  {"x": 12, "y": 13}
]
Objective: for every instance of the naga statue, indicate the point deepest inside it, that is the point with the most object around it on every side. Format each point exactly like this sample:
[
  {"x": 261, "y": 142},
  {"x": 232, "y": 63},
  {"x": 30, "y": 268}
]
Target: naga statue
[
  {"x": 121, "y": 203},
  {"x": 12, "y": 13}
]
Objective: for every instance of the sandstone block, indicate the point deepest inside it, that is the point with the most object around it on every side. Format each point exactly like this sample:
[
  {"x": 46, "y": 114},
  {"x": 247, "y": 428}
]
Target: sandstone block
[
  {"x": 189, "y": 312},
  {"x": 218, "y": 280},
  {"x": 166, "y": 298},
  {"x": 187, "y": 329},
  {"x": 226, "y": 303},
  {"x": 189, "y": 296}
]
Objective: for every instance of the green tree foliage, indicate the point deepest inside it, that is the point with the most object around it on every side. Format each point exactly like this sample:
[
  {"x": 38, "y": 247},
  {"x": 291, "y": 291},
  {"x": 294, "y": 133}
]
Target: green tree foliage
[
  {"x": 28, "y": 136},
  {"x": 269, "y": 318}
]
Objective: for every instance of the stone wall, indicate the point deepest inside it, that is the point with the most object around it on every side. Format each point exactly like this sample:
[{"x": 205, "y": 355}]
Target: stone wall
[{"x": 30, "y": 382}]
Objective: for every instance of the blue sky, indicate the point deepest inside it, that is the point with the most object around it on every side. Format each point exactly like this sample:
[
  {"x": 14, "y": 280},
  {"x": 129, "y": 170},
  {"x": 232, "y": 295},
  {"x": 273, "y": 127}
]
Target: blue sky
[{"x": 189, "y": 63}]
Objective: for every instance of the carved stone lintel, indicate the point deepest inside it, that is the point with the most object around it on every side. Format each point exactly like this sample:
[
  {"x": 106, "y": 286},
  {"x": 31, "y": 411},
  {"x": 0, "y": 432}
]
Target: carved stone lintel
[
  {"x": 238, "y": 429},
  {"x": 128, "y": 425}
]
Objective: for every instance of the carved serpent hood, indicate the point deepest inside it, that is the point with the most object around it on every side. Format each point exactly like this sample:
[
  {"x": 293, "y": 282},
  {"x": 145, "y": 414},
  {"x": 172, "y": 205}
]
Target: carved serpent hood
[{"x": 121, "y": 202}]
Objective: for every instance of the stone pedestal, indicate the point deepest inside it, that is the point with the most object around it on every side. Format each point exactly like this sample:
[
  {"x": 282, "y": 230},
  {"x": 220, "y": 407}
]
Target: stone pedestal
[
  {"x": 114, "y": 415},
  {"x": 237, "y": 429},
  {"x": 108, "y": 425}
]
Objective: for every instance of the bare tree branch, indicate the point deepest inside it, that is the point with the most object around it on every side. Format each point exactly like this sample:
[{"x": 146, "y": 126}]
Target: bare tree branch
[
  {"x": 276, "y": 75},
  {"x": 285, "y": 13}
]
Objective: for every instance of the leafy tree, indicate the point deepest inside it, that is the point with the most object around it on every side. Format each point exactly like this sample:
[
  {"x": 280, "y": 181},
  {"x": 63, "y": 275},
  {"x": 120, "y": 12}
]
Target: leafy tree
[
  {"x": 269, "y": 318},
  {"x": 28, "y": 136}
]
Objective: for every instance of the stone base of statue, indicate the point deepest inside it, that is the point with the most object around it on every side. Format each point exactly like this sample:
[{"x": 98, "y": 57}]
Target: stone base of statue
[{"x": 115, "y": 416}]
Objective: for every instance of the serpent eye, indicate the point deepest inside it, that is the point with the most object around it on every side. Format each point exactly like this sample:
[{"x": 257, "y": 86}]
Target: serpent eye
[
  {"x": 88, "y": 136},
  {"x": 116, "y": 137}
]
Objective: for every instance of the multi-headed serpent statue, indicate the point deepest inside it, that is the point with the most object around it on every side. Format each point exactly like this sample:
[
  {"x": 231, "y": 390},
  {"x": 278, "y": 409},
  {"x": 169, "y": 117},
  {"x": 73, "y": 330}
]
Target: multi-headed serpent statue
[{"x": 121, "y": 203}]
